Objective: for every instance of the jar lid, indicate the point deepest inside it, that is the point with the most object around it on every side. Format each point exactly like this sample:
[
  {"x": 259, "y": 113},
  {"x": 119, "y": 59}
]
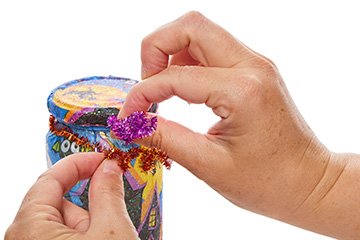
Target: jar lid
[{"x": 90, "y": 101}]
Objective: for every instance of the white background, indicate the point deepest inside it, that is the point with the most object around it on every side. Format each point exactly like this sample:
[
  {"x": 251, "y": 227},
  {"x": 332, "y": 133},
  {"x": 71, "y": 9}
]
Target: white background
[{"x": 315, "y": 44}]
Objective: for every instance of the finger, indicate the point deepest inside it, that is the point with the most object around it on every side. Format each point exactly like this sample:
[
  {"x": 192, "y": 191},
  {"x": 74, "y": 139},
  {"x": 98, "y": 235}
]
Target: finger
[
  {"x": 207, "y": 43},
  {"x": 106, "y": 202},
  {"x": 60, "y": 178},
  {"x": 190, "y": 83},
  {"x": 183, "y": 145},
  {"x": 183, "y": 58},
  {"x": 74, "y": 216}
]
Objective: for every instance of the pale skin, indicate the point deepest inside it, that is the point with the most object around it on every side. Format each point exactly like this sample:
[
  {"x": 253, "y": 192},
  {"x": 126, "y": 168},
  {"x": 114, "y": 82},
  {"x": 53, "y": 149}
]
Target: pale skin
[
  {"x": 50, "y": 216},
  {"x": 261, "y": 155}
]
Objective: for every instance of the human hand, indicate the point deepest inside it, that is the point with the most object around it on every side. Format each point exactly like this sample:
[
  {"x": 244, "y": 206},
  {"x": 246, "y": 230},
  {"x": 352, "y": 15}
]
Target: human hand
[
  {"x": 261, "y": 155},
  {"x": 45, "y": 214}
]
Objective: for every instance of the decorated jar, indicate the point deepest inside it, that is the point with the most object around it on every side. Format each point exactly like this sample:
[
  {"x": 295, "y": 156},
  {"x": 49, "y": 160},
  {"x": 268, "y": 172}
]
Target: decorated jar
[{"x": 79, "y": 111}]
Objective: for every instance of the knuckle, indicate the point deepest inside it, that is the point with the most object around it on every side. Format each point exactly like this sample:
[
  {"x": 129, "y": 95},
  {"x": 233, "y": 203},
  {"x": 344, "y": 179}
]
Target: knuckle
[
  {"x": 45, "y": 179},
  {"x": 177, "y": 72},
  {"x": 174, "y": 69},
  {"x": 267, "y": 67},
  {"x": 250, "y": 88},
  {"x": 113, "y": 190},
  {"x": 45, "y": 176},
  {"x": 181, "y": 73},
  {"x": 194, "y": 15},
  {"x": 135, "y": 93},
  {"x": 194, "y": 19},
  {"x": 136, "y": 97},
  {"x": 270, "y": 69},
  {"x": 146, "y": 41},
  {"x": 258, "y": 86},
  {"x": 82, "y": 225}
]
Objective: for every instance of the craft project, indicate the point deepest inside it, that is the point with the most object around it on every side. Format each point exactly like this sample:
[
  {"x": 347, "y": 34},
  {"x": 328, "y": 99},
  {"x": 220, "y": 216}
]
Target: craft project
[{"x": 82, "y": 113}]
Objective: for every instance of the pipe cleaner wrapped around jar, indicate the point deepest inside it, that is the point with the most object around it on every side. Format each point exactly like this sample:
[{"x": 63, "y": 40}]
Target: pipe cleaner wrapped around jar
[{"x": 82, "y": 113}]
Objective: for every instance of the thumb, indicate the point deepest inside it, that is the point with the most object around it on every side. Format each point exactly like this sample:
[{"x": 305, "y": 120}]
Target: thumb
[
  {"x": 108, "y": 215},
  {"x": 181, "y": 144}
]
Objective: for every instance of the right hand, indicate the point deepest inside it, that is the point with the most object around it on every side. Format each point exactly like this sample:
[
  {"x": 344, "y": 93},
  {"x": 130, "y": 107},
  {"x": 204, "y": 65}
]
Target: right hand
[{"x": 259, "y": 154}]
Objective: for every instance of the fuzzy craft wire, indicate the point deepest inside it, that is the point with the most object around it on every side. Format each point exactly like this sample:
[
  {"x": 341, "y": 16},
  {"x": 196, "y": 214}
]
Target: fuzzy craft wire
[{"x": 136, "y": 125}]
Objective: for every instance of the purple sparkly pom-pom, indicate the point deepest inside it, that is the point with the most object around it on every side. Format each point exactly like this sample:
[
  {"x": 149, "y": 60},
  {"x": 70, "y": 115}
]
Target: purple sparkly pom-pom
[{"x": 137, "y": 125}]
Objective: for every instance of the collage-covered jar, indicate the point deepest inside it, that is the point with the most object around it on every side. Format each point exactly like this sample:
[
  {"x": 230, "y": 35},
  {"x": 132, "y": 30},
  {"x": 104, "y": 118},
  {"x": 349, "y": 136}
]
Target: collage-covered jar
[{"x": 82, "y": 107}]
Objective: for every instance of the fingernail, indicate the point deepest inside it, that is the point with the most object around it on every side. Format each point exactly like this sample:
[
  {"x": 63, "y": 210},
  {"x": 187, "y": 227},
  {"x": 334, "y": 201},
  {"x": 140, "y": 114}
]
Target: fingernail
[{"x": 111, "y": 166}]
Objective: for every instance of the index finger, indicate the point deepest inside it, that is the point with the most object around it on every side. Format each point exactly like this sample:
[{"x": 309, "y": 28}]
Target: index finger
[
  {"x": 207, "y": 43},
  {"x": 51, "y": 186}
]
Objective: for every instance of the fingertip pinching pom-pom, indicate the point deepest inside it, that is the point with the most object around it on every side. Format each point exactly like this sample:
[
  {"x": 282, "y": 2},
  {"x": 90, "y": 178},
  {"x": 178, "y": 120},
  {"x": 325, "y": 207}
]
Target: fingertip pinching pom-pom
[{"x": 135, "y": 126}]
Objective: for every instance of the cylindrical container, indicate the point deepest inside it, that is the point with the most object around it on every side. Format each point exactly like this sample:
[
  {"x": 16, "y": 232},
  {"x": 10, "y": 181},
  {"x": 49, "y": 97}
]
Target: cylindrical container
[{"x": 80, "y": 109}]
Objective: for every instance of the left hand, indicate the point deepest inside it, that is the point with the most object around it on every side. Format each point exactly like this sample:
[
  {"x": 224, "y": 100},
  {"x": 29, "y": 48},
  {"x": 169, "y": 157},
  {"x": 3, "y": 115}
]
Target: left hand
[{"x": 45, "y": 214}]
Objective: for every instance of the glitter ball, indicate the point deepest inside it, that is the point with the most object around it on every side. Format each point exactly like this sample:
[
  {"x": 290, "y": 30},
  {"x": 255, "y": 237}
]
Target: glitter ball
[{"x": 137, "y": 125}]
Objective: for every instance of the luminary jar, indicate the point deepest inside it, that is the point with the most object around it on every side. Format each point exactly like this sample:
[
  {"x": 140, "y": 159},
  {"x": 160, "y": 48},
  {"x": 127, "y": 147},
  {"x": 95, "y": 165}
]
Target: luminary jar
[{"x": 80, "y": 108}]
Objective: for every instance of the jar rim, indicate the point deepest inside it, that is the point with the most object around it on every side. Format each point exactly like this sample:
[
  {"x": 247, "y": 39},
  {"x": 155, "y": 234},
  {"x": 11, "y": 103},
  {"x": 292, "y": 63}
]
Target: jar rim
[{"x": 91, "y": 100}]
